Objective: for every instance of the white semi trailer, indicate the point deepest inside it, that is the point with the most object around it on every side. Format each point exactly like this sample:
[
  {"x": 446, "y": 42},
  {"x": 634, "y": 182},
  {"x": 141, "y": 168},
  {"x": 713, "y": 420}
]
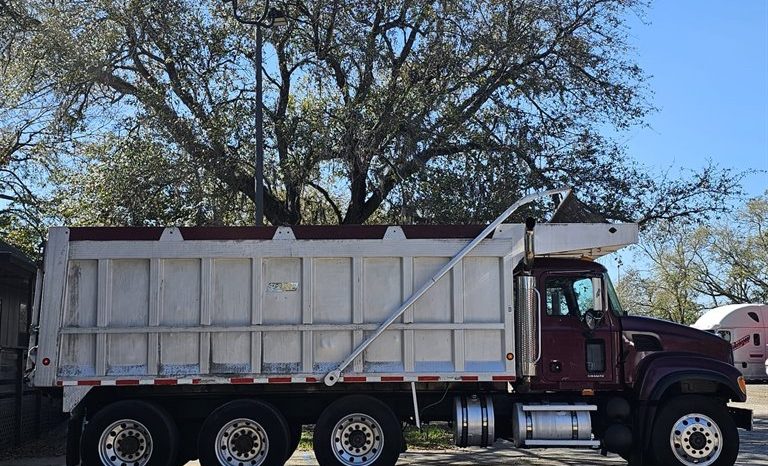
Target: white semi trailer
[
  {"x": 743, "y": 326},
  {"x": 219, "y": 343}
]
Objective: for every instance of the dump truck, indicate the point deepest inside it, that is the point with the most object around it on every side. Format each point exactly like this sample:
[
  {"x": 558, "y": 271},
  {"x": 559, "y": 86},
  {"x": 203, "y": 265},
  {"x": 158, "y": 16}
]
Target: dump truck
[{"x": 171, "y": 344}]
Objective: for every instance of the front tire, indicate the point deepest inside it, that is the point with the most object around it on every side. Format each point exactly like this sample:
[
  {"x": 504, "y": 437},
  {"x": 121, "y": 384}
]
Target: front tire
[
  {"x": 357, "y": 430},
  {"x": 694, "y": 430},
  {"x": 130, "y": 432}
]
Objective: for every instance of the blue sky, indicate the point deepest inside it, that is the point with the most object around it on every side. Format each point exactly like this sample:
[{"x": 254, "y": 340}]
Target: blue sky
[
  {"x": 708, "y": 62},
  {"x": 709, "y": 65}
]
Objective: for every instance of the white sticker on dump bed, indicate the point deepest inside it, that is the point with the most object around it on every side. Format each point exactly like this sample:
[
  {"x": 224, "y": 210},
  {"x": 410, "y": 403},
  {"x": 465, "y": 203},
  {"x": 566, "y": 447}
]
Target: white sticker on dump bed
[{"x": 280, "y": 287}]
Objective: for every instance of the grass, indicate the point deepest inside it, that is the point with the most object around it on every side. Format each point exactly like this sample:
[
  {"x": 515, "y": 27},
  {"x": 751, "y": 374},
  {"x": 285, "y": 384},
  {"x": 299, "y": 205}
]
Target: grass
[
  {"x": 305, "y": 444},
  {"x": 437, "y": 436}
]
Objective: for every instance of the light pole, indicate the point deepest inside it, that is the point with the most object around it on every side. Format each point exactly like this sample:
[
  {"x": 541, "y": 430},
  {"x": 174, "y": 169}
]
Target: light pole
[{"x": 270, "y": 17}]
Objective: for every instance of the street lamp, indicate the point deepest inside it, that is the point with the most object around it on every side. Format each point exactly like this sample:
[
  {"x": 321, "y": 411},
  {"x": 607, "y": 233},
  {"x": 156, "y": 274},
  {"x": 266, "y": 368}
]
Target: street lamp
[{"x": 270, "y": 17}]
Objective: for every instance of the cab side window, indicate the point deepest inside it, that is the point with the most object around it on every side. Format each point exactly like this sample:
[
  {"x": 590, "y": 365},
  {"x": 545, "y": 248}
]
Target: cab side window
[{"x": 569, "y": 296}]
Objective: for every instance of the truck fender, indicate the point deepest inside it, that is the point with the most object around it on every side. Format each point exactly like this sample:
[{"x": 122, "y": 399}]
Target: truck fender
[{"x": 695, "y": 373}]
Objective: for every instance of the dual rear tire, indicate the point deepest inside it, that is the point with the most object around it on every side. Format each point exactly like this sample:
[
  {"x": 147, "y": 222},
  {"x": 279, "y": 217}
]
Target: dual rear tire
[
  {"x": 244, "y": 433},
  {"x": 352, "y": 431},
  {"x": 357, "y": 431},
  {"x": 130, "y": 433}
]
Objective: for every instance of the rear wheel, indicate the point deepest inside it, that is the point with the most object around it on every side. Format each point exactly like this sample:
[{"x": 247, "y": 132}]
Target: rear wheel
[
  {"x": 244, "y": 433},
  {"x": 695, "y": 430},
  {"x": 357, "y": 430},
  {"x": 130, "y": 432}
]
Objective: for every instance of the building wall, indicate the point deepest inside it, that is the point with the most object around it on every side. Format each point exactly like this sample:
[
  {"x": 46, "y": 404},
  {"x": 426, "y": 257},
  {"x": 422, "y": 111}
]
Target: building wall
[{"x": 25, "y": 413}]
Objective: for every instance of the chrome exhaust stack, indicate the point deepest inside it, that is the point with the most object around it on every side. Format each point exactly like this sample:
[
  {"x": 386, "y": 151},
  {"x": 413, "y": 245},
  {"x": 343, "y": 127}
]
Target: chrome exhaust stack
[{"x": 527, "y": 311}]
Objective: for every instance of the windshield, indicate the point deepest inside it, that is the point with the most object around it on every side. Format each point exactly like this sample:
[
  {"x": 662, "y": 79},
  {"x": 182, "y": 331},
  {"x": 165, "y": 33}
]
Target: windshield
[{"x": 613, "y": 299}]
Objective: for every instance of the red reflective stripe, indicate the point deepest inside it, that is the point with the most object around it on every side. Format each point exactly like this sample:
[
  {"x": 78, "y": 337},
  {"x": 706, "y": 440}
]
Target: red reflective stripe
[
  {"x": 59, "y": 383},
  {"x": 311, "y": 380},
  {"x": 503, "y": 378},
  {"x": 355, "y": 379},
  {"x": 241, "y": 380},
  {"x": 166, "y": 382},
  {"x": 428, "y": 378},
  {"x": 126, "y": 382},
  {"x": 470, "y": 378},
  {"x": 392, "y": 379},
  {"x": 195, "y": 381},
  {"x": 279, "y": 380},
  {"x": 89, "y": 382}
]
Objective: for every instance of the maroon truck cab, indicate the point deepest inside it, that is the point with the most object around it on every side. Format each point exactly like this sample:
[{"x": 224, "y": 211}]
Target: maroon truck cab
[{"x": 637, "y": 365}]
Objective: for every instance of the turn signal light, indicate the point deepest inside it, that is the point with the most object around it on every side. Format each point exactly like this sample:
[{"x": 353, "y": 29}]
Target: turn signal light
[
  {"x": 510, "y": 356},
  {"x": 742, "y": 385},
  {"x": 46, "y": 361}
]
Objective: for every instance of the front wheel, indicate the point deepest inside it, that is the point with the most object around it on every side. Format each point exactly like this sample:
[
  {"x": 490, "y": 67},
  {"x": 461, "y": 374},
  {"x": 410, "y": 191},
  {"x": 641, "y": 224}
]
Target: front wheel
[
  {"x": 694, "y": 430},
  {"x": 357, "y": 431}
]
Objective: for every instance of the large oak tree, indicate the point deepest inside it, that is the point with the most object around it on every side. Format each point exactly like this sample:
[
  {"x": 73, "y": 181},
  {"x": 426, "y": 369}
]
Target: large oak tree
[{"x": 409, "y": 110}]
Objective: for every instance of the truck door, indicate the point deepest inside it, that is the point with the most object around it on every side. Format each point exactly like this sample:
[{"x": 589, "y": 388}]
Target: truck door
[{"x": 572, "y": 355}]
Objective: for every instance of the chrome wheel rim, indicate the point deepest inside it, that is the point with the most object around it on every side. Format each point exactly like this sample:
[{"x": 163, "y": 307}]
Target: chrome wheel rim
[
  {"x": 696, "y": 439},
  {"x": 242, "y": 442},
  {"x": 357, "y": 439},
  {"x": 125, "y": 443}
]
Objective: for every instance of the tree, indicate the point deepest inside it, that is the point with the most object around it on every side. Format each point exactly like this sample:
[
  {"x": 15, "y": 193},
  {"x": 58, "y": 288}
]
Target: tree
[
  {"x": 377, "y": 111},
  {"x": 694, "y": 267},
  {"x": 733, "y": 266},
  {"x": 668, "y": 288}
]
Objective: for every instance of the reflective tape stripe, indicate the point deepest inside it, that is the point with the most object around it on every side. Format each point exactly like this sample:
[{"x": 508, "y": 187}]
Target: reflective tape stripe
[{"x": 285, "y": 380}]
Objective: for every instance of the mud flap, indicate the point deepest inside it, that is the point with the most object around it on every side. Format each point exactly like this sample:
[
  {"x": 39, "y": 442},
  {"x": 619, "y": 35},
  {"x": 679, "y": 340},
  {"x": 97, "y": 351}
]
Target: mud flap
[
  {"x": 74, "y": 429},
  {"x": 742, "y": 417}
]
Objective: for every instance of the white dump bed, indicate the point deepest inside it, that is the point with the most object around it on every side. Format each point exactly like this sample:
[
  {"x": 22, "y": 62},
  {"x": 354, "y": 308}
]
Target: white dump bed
[{"x": 277, "y": 305}]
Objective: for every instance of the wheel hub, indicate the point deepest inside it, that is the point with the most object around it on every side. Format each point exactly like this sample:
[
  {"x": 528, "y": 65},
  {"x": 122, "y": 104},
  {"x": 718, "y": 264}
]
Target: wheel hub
[
  {"x": 125, "y": 442},
  {"x": 242, "y": 442},
  {"x": 357, "y": 440},
  {"x": 129, "y": 445},
  {"x": 696, "y": 440}
]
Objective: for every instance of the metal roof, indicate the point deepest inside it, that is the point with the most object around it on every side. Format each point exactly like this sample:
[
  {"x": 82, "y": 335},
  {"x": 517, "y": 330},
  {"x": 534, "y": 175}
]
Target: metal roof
[{"x": 14, "y": 264}]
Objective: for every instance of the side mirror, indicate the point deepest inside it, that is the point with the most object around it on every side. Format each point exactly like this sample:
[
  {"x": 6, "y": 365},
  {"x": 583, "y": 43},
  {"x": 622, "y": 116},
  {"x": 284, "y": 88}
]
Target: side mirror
[{"x": 593, "y": 318}]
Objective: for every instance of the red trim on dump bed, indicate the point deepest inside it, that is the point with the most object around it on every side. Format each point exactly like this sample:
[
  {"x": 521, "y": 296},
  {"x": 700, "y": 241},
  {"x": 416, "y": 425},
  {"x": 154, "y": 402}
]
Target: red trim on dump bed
[
  {"x": 339, "y": 231},
  {"x": 443, "y": 231},
  {"x": 115, "y": 233},
  {"x": 224, "y": 233},
  {"x": 302, "y": 232}
]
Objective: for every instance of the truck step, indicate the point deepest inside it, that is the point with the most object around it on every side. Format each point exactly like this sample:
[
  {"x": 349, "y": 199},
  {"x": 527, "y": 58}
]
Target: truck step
[
  {"x": 559, "y": 407},
  {"x": 563, "y": 443}
]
